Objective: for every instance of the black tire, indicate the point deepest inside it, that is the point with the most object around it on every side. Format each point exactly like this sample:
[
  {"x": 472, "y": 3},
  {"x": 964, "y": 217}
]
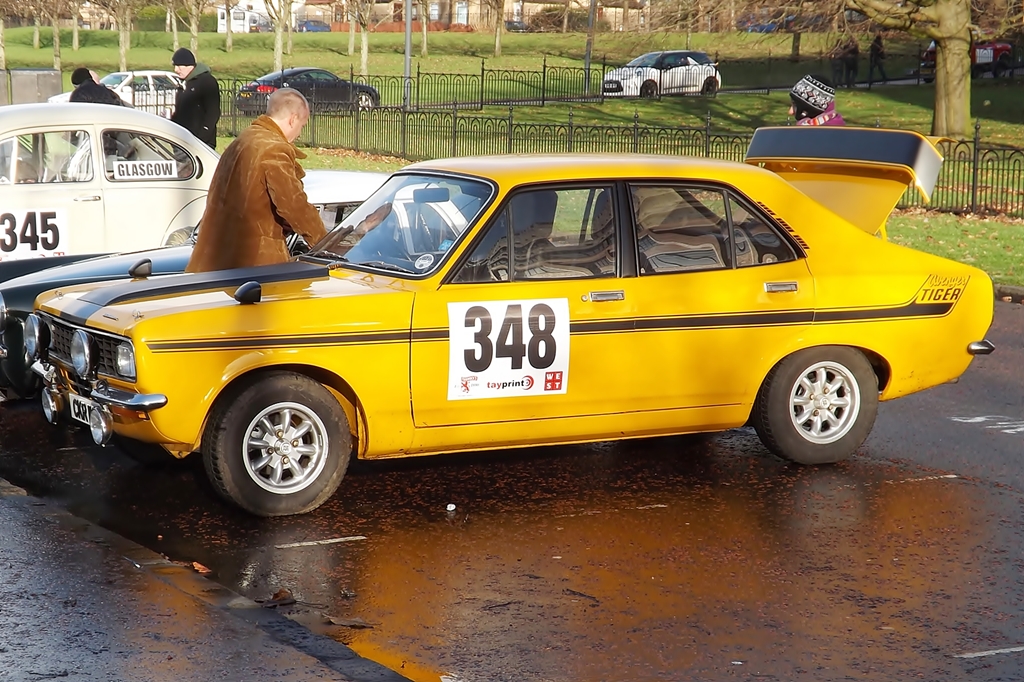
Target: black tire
[
  {"x": 775, "y": 416},
  {"x": 1002, "y": 65},
  {"x": 710, "y": 88},
  {"x": 649, "y": 90},
  {"x": 146, "y": 454},
  {"x": 366, "y": 101},
  {"x": 228, "y": 457}
]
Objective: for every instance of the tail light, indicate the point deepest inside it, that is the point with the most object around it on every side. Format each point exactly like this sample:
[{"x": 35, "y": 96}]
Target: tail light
[{"x": 265, "y": 88}]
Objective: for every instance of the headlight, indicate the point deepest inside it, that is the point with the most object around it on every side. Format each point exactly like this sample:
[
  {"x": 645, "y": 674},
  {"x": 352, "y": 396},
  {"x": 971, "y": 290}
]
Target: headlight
[
  {"x": 82, "y": 354},
  {"x": 125, "y": 361},
  {"x": 37, "y": 336},
  {"x": 3, "y": 313}
]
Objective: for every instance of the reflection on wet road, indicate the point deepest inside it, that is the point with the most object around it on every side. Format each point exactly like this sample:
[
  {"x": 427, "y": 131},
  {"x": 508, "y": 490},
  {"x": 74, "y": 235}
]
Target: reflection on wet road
[{"x": 675, "y": 558}]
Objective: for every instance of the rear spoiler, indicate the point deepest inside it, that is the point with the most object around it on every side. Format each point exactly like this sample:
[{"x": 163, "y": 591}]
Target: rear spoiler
[{"x": 858, "y": 173}]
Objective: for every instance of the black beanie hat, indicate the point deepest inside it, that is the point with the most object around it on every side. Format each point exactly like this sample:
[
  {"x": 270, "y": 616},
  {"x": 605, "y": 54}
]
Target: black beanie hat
[
  {"x": 183, "y": 57},
  {"x": 811, "y": 96},
  {"x": 80, "y": 75}
]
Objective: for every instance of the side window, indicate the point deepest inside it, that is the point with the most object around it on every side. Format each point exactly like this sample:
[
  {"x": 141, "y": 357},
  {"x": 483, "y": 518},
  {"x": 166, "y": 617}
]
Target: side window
[
  {"x": 757, "y": 243},
  {"x": 163, "y": 83},
  {"x": 6, "y": 161},
  {"x": 140, "y": 84},
  {"x": 60, "y": 156},
  {"x": 680, "y": 229},
  {"x": 489, "y": 260},
  {"x": 130, "y": 156}
]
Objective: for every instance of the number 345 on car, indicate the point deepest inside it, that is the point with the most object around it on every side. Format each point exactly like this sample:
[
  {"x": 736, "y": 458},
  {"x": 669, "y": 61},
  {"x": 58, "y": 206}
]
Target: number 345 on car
[{"x": 498, "y": 302}]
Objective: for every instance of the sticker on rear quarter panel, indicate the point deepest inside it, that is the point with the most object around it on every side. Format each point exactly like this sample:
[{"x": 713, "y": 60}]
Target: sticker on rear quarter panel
[
  {"x": 508, "y": 349},
  {"x": 938, "y": 289}
]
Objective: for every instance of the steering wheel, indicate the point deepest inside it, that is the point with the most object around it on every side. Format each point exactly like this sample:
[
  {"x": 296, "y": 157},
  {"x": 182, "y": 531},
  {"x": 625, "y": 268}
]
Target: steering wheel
[{"x": 296, "y": 244}]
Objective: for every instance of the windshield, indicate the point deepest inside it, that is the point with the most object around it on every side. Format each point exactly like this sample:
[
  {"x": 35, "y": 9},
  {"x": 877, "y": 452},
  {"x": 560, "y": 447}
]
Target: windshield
[
  {"x": 645, "y": 60},
  {"x": 408, "y": 225},
  {"x": 112, "y": 80}
]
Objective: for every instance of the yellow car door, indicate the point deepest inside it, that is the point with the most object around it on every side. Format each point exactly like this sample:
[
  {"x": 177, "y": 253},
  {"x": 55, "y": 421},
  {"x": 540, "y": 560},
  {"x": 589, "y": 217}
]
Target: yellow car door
[
  {"x": 515, "y": 331},
  {"x": 716, "y": 305}
]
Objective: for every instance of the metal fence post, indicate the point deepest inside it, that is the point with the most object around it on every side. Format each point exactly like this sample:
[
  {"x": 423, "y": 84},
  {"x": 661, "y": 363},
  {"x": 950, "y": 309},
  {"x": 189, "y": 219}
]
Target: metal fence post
[
  {"x": 707, "y": 134},
  {"x": 312, "y": 130},
  {"x": 604, "y": 70},
  {"x": 510, "y": 128},
  {"x": 543, "y": 80},
  {"x": 234, "y": 116},
  {"x": 636, "y": 131},
  {"x": 405, "y": 122},
  {"x": 455, "y": 126},
  {"x": 417, "y": 85},
  {"x": 976, "y": 163},
  {"x": 482, "y": 72},
  {"x": 569, "y": 149}
]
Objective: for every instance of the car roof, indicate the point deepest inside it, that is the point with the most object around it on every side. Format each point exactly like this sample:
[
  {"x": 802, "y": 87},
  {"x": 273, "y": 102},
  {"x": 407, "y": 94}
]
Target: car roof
[
  {"x": 17, "y": 116},
  {"x": 291, "y": 72},
  {"x": 515, "y": 169}
]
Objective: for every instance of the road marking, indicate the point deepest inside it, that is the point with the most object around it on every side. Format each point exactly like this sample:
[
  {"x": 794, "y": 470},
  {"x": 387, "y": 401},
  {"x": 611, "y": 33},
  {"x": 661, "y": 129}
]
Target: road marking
[
  {"x": 1001, "y": 423},
  {"x": 993, "y": 652},
  {"x": 925, "y": 478},
  {"x": 314, "y": 543}
]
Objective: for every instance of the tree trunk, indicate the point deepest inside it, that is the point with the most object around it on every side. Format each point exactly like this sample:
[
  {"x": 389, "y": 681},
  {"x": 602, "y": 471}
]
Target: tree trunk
[
  {"x": 74, "y": 30},
  {"x": 123, "y": 39},
  {"x": 565, "y": 18},
  {"x": 794, "y": 53},
  {"x": 193, "y": 29},
  {"x": 952, "y": 112},
  {"x": 423, "y": 27},
  {"x": 364, "y": 51},
  {"x": 228, "y": 9},
  {"x": 55, "y": 25},
  {"x": 351, "y": 30},
  {"x": 290, "y": 21},
  {"x": 35, "y": 33},
  {"x": 3, "y": 49},
  {"x": 174, "y": 27},
  {"x": 499, "y": 20},
  {"x": 278, "y": 44}
]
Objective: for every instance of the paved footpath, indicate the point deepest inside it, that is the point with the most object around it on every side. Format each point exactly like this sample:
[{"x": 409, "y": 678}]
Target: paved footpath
[{"x": 78, "y": 602}]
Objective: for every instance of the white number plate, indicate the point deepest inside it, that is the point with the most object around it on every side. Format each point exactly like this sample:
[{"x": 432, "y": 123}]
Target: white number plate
[
  {"x": 81, "y": 408},
  {"x": 508, "y": 349}
]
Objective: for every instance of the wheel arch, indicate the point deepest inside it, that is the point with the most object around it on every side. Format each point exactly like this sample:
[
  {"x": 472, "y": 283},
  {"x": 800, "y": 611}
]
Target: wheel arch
[{"x": 339, "y": 388}]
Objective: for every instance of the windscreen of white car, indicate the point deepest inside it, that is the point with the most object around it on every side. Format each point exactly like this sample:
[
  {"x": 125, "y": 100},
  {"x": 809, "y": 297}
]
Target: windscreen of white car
[
  {"x": 645, "y": 60},
  {"x": 409, "y": 225},
  {"x": 112, "y": 80},
  {"x": 131, "y": 156},
  {"x": 56, "y": 156}
]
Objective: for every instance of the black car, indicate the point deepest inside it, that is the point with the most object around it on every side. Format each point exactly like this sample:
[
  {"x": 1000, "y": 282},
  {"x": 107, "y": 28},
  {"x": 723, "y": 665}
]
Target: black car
[{"x": 324, "y": 90}]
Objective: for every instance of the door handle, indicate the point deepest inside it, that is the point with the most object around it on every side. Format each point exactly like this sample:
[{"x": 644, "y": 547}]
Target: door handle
[
  {"x": 601, "y": 296},
  {"x": 88, "y": 197},
  {"x": 779, "y": 287}
]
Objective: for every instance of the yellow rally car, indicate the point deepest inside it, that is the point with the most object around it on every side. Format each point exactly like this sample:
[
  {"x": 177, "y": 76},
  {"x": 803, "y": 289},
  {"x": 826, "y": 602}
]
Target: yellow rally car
[{"x": 497, "y": 302}]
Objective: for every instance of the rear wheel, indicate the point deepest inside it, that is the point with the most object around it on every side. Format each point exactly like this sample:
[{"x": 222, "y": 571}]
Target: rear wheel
[
  {"x": 279, "y": 445},
  {"x": 649, "y": 90},
  {"x": 818, "y": 405},
  {"x": 365, "y": 101},
  {"x": 710, "y": 87}
]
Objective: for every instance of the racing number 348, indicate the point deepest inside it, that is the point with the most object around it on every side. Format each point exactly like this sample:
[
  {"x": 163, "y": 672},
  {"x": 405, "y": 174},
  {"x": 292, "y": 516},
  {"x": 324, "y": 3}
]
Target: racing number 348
[
  {"x": 39, "y": 229},
  {"x": 540, "y": 350}
]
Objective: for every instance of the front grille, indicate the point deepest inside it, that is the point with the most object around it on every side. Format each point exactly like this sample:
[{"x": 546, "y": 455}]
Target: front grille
[{"x": 60, "y": 346}]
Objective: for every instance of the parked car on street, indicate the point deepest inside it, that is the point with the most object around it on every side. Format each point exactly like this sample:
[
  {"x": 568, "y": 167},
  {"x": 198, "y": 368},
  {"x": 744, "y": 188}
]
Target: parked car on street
[
  {"x": 77, "y": 179},
  {"x": 324, "y": 90},
  {"x": 532, "y": 300},
  {"x": 313, "y": 26},
  {"x": 677, "y": 72},
  {"x": 335, "y": 194},
  {"x": 516, "y": 26},
  {"x": 987, "y": 56},
  {"x": 152, "y": 91}
]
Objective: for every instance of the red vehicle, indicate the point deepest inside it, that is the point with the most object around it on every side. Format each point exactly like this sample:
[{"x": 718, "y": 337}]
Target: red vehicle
[{"x": 986, "y": 55}]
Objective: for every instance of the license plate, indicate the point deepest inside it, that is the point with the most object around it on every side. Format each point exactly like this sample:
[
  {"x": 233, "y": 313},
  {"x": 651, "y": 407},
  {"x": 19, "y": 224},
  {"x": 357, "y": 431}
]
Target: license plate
[
  {"x": 245, "y": 94},
  {"x": 81, "y": 408}
]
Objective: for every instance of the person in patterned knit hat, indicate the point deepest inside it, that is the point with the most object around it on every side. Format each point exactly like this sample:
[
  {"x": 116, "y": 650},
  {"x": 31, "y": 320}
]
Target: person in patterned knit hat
[{"x": 814, "y": 102}]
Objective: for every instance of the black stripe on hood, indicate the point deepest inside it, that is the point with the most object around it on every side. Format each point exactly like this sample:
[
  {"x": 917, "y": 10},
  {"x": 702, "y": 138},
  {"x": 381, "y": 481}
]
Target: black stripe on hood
[{"x": 79, "y": 311}]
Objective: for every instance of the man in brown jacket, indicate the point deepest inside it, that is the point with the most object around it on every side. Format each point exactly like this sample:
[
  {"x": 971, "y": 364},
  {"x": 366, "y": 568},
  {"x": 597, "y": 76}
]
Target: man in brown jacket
[{"x": 256, "y": 195}]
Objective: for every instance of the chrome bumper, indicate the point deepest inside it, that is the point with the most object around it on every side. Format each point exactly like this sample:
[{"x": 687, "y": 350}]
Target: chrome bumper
[
  {"x": 103, "y": 394},
  {"x": 981, "y": 347}
]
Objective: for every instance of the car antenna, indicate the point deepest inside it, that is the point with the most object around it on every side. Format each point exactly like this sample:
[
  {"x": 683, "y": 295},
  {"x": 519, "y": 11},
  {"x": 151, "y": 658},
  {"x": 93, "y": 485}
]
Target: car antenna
[{"x": 143, "y": 268}]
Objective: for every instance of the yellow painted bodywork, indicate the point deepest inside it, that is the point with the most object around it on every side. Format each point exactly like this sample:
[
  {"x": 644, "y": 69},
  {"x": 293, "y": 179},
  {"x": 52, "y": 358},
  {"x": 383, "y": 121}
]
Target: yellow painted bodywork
[{"x": 378, "y": 341}]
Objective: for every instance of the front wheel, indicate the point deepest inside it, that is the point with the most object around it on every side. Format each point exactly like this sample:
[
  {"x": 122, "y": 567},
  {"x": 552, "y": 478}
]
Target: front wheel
[
  {"x": 279, "y": 445},
  {"x": 818, "y": 405},
  {"x": 365, "y": 101}
]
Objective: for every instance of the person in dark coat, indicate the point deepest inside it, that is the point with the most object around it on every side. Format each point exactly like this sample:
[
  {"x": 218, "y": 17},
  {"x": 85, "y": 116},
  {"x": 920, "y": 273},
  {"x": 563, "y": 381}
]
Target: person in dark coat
[
  {"x": 851, "y": 59},
  {"x": 87, "y": 89},
  {"x": 197, "y": 105},
  {"x": 876, "y": 57}
]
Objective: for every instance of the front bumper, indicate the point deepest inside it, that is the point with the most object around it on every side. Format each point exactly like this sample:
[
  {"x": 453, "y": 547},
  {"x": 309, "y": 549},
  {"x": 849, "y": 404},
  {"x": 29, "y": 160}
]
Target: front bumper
[{"x": 106, "y": 400}]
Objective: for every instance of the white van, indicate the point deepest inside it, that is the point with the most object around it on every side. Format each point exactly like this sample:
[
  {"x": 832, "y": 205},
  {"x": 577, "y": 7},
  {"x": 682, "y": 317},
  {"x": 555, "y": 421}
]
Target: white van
[{"x": 244, "y": 21}]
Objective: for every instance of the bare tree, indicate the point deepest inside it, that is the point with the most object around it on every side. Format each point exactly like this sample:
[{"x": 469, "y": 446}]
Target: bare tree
[
  {"x": 75, "y": 7},
  {"x": 123, "y": 11},
  {"x": 172, "y": 21},
  {"x": 495, "y": 12},
  {"x": 194, "y": 10},
  {"x": 54, "y": 9},
  {"x": 363, "y": 13},
  {"x": 229, "y": 8},
  {"x": 278, "y": 11},
  {"x": 351, "y": 17},
  {"x": 424, "y": 17},
  {"x": 6, "y": 8},
  {"x": 289, "y": 25}
]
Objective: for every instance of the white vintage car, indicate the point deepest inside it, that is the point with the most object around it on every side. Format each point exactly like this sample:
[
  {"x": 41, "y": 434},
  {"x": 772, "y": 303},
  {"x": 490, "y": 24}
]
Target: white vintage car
[
  {"x": 677, "y": 72},
  {"x": 152, "y": 91},
  {"x": 94, "y": 178}
]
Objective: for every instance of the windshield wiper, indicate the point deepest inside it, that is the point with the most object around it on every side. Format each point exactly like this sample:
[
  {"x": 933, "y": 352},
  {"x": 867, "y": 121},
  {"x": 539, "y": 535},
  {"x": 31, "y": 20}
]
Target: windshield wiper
[{"x": 384, "y": 266}]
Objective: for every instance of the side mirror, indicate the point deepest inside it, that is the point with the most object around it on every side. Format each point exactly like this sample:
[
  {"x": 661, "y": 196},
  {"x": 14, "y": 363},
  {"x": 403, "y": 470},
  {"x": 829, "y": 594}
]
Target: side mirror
[
  {"x": 250, "y": 292},
  {"x": 143, "y": 268}
]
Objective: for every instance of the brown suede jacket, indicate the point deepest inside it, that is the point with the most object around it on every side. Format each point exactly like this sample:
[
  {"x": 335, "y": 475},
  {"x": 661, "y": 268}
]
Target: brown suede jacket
[{"x": 256, "y": 194}]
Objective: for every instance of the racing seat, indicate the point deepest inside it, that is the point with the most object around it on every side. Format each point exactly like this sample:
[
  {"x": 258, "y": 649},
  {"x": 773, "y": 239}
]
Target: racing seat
[{"x": 673, "y": 235}]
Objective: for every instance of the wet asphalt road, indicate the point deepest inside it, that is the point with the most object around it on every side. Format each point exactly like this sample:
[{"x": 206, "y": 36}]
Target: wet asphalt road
[{"x": 676, "y": 558}]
